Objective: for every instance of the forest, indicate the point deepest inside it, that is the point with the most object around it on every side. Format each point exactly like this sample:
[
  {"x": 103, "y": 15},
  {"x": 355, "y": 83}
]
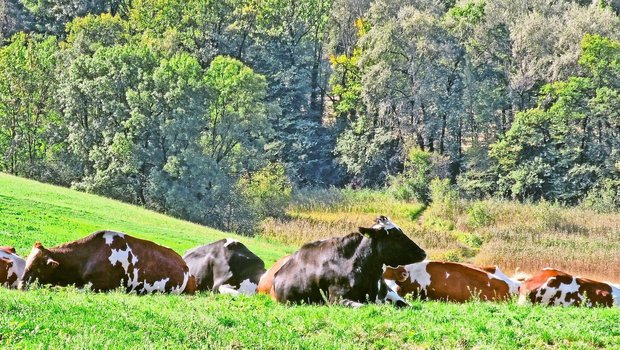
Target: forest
[{"x": 218, "y": 111}]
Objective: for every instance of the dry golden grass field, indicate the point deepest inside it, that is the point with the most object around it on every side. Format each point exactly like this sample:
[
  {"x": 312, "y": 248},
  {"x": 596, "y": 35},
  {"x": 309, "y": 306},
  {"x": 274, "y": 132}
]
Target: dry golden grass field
[{"x": 517, "y": 237}]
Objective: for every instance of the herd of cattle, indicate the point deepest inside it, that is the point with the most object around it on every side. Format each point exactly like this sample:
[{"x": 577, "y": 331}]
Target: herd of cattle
[{"x": 377, "y": 264}]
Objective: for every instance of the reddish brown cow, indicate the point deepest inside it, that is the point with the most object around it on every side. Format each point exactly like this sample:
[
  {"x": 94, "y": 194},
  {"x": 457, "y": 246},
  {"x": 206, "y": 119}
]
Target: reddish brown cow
[
  {"x": 447, "y": 281},
  {"x": 554, "y": 287},
  {"x": 108, "y": 260},
  {"x": 266, "y": 281},
  {"x": 14, "y": 266}
]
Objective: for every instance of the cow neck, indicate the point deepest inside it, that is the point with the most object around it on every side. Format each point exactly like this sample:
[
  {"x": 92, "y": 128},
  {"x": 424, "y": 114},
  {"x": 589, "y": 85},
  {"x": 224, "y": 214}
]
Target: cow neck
[
  {"x": 366, "y": 259},
  {"x": 70, "y": 256}
]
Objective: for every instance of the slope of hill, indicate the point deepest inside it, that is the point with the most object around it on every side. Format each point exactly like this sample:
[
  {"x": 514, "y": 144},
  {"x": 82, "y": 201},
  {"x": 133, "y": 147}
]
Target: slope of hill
[
  {"x": 34, "y": 212},
  {"x": 68, "y": 317}
]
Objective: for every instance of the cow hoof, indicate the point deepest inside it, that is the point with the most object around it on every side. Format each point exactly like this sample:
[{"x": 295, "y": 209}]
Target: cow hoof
[{"x": 400, "y": 304}]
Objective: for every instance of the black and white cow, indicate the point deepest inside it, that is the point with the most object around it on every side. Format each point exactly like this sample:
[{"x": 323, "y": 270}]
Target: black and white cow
[
  {"x": 346, "y": 269},
  {"x": 226, "y": 266}
]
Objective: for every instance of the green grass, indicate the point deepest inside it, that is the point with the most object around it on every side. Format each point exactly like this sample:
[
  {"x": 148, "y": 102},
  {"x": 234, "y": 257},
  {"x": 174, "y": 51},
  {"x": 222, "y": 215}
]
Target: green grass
[
  {"x": 33, "y": 212},
  {"x": 70, "y": 318}
]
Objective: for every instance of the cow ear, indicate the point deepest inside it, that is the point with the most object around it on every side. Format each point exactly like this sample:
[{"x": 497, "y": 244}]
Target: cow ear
[
  {"x": 53, "y": 263},
  {"x": 38, "y": 245}
]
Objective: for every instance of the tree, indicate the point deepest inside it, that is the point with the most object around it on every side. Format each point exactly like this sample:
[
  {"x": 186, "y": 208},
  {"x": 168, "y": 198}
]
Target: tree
[
  {"x": 28, "y": 115},
  {"x": 568, "y": 144}
]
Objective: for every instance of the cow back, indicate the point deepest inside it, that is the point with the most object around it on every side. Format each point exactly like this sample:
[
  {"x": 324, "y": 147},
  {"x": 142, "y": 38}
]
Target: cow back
[
  {"x": 225, "y": 265},
  {"x": 14, "y": 270},
  {"x": 558, "y": 288},
  {"x": 447, "y": 281}
]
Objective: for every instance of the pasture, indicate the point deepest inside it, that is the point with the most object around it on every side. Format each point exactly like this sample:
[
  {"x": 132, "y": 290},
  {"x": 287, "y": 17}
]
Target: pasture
[
  {"x": 76, "y": 319},
  {"x": 67, "y": 317}
]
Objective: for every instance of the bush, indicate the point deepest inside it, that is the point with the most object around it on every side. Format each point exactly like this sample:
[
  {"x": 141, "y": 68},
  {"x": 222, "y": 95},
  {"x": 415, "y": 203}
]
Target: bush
[
  {"x": 605, "y": 197},
  {"x": 549, "y": 216},
  {"x": 477, "y": 184},
  {"x": 268, "y": 191},
  {"x": 445, "y": 195},
  {"x": 479, "y": 215},
  {"x": 420, "y": 168}
]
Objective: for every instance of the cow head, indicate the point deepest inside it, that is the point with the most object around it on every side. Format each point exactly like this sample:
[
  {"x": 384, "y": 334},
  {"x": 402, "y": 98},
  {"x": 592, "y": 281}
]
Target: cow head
[
  {"x": 393, "y": 246},
  {"x": 39, "y": 266},
  {"x": 398, "y": 274}
]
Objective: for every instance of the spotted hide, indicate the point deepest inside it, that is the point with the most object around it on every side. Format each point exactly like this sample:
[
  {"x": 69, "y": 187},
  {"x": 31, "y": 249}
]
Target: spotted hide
[
  {"x": 108, "y": 260},
  {"x": 226, "y": 266},
  {"x": 346, "y": 270},
  {"x": 513, "y": 285},
  {"x": 13, "y": 267},
  {"x": 447, "y": 281},
  {"x": 554, "y": 287}
]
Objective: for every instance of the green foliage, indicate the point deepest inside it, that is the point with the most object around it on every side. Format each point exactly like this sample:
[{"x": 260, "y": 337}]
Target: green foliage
[
  {"x": 471, "y": 12},
  {"x": 604, "y": 197},
  {"x": 367, "y": 151},
  {"x": 414, "y": 181},
  {"x": 479, "y": 214},
  {"x": 29, "y": 118},
  {"x": 268, "y": 190},
  {"x": 559, "y": 152},
  {"x": 445, "y": 207}
]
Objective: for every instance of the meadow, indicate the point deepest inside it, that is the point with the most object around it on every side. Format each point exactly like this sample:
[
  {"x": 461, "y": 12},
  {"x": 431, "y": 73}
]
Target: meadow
[{"x": 72, "y": 318}]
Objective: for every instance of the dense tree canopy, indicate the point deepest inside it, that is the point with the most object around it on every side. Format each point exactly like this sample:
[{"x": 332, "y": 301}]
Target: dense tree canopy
[{"x": 208, "y": 109}]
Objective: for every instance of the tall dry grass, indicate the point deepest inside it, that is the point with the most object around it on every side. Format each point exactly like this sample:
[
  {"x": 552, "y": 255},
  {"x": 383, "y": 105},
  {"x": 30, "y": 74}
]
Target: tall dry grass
[{"x": 517, "y": 237}]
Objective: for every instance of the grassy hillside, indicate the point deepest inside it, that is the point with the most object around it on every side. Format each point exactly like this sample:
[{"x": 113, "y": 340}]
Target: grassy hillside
[
  {"x": 34, "y": 212},
  {"x": 71, "y": 318},
  {"x": 77, "y": 319}
]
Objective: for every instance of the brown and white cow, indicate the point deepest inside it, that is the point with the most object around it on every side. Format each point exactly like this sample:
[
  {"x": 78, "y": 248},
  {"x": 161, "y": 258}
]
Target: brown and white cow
[
  {"x": 447, "y": 281},
  {"x": 555, "y": 287},
  {"x": 345, "y": 269},
  {"x": 13, "y": 267},
  {"x": 513, "y": 284},
  {"x": 108, "y": 260}
]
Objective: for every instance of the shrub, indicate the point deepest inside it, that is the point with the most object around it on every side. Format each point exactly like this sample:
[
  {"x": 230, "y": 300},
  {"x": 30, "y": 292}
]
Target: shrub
[
  {"x": 268, "y": 190},
  {"x": 420, "y": 168},
  {"x": 549, "y": 216},
  {"x": 605, "y": 197},
  {"x": 479, "y": 215}
]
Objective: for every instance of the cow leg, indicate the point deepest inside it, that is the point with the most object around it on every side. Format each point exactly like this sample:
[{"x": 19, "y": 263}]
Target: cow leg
[
  {"x": 387, "y": 290},
  {"x": 350, "y": 303},
  {"x": 227, "y": 289},
  {"x": 336, "y": 296}
]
